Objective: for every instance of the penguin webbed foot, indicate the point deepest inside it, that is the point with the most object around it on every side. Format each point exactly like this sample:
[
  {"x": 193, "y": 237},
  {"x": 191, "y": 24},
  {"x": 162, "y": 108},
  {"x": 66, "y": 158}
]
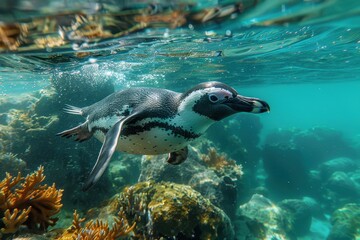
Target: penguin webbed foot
[
  {"x": 178, "y": 157},
  {"x": 81, "y": 132}
]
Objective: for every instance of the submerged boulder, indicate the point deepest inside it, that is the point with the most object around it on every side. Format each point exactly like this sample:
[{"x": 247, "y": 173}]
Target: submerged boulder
[
  {"x": 316, "y": 144},
  {"x": 169, "y": 211},
  {"x": 286, "y": 171},
  {"x": 299, "y": 212},
  {"x": 291, "y": 156},
  {"x": 346, "y": 223},
  {"x": 343, "y": 164},
  {"x": 341, "y": 183},
  {"x": 260, "y": 218},
  {"x": 214, "y": 175},
  {"x": 10, "y": 163}
]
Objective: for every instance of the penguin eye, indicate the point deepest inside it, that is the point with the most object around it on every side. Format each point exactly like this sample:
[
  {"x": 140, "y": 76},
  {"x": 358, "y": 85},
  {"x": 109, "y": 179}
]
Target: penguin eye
[{"x": 213, "y": 98}]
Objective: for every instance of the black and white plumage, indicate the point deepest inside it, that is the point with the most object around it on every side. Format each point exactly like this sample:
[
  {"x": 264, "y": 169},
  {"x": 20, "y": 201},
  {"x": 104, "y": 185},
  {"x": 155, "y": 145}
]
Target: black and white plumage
[{"x": 155, "y": 121}]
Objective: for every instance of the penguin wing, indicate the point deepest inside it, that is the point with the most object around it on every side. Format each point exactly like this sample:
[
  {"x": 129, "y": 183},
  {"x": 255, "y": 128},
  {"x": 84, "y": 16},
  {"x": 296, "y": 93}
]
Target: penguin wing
[{"x": 106, "y": 152}]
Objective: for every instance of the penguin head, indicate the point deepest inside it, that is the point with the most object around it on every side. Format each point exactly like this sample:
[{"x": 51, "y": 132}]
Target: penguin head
[{"x": 216, "y": 101}]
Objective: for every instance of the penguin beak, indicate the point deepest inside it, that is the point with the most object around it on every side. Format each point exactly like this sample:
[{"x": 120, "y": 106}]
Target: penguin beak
[{"x": 248, "y": 104}]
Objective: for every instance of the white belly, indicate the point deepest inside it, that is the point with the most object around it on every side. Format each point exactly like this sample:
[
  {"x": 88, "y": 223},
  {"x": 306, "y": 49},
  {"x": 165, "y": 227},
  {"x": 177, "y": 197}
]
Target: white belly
[{"x": 154, "y": 142}]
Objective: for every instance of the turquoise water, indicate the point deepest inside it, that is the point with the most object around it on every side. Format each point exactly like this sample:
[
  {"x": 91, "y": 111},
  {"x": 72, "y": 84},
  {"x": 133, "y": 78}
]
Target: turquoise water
[{"x": 302, "y": 57}]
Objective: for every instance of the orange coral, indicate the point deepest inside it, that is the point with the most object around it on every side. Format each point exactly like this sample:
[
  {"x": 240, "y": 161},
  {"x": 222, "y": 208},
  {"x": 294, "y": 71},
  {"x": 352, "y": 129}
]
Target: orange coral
[
  {"x": 31, "y": 204},
  {"x": 222, "y": 165},
  {"x": 13, "y": 221},
  {"x": 215, "y": 160},
  {"x": 97, "y": 230}
]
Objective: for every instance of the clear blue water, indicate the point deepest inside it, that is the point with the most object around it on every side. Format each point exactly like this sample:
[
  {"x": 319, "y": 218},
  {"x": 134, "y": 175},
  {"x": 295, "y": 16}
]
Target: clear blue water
[{"x": 302, "y": 57}]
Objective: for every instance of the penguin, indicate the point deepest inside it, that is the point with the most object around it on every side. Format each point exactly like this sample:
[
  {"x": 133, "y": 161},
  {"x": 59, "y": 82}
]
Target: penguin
[{"x": 154, "y": 121}]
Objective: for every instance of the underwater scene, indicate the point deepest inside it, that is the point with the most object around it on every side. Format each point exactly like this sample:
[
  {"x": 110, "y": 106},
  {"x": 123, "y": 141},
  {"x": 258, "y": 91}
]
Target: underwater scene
[{"x": 159, "y": 120}]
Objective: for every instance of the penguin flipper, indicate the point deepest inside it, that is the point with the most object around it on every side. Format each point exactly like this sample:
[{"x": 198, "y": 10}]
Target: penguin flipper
[
  {"x": 175, "y": 158},
  {"x": 106, "y": 152}
]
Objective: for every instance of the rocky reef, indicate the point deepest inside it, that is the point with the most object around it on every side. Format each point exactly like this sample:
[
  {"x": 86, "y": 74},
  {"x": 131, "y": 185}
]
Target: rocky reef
[
  {"x": 260, "y": 218},
  {"x": 292, "y": 159},
  {"x": 316, "y": 144},
  {"x": 168, "y": 210},
  {"x": 346, "y": 223},
  {"x": 213, "y": 174}
]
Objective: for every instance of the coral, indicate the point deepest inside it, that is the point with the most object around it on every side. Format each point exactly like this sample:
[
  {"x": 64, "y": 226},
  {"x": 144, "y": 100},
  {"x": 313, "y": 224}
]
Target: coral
[
  {"x": 25, "y": 201},
  {"x": 13, "y": 221},
  {"x": 221, "y": 163},
  {"x": 97, "y": 230},
  {"x": 168, "y": 210},
  {"x": 214, "y": 160}
]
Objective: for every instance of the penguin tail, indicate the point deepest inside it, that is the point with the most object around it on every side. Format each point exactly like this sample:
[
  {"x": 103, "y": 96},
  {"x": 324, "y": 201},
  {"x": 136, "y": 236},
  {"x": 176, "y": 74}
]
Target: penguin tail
[
  {"x": 73, "y": 110},
  {"x": 81, "y": 132}
]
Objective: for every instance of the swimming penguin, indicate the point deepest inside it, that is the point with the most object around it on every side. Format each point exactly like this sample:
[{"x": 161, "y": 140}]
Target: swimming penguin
[{"x": 154, "y": 121}]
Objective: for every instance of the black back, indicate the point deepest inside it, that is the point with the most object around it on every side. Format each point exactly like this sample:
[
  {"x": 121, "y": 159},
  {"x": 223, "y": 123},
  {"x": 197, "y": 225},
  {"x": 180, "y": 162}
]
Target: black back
[{"x": 148, "y": 102}]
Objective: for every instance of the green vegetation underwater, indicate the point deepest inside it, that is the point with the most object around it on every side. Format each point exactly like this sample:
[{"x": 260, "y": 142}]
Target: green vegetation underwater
[{"x": 291, "y": 172}]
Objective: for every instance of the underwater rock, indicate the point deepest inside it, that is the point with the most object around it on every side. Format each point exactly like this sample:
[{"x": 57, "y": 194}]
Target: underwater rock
[
  {"x": 316, "y": 144},
  {"x": 355, "y": 175},
  {"x": 47, "y": 103},
  {"x": 343, "y": 164},
  {"x": 10, "y": 163},
  {"x": 260, "y": 218},
  {"x": 341, "y": 183},
  {"x": 219, "y": 185},
  {"x": 345, "y": 223},
  {"x": 169, "y": 210},
  {"x": 339, "y": 189},
  {"x": 291, "y": 156},
  {"x": 299, "y": 213},
  {"x": 286, "y": 170},
  {"x": 16, "y": 102}
]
